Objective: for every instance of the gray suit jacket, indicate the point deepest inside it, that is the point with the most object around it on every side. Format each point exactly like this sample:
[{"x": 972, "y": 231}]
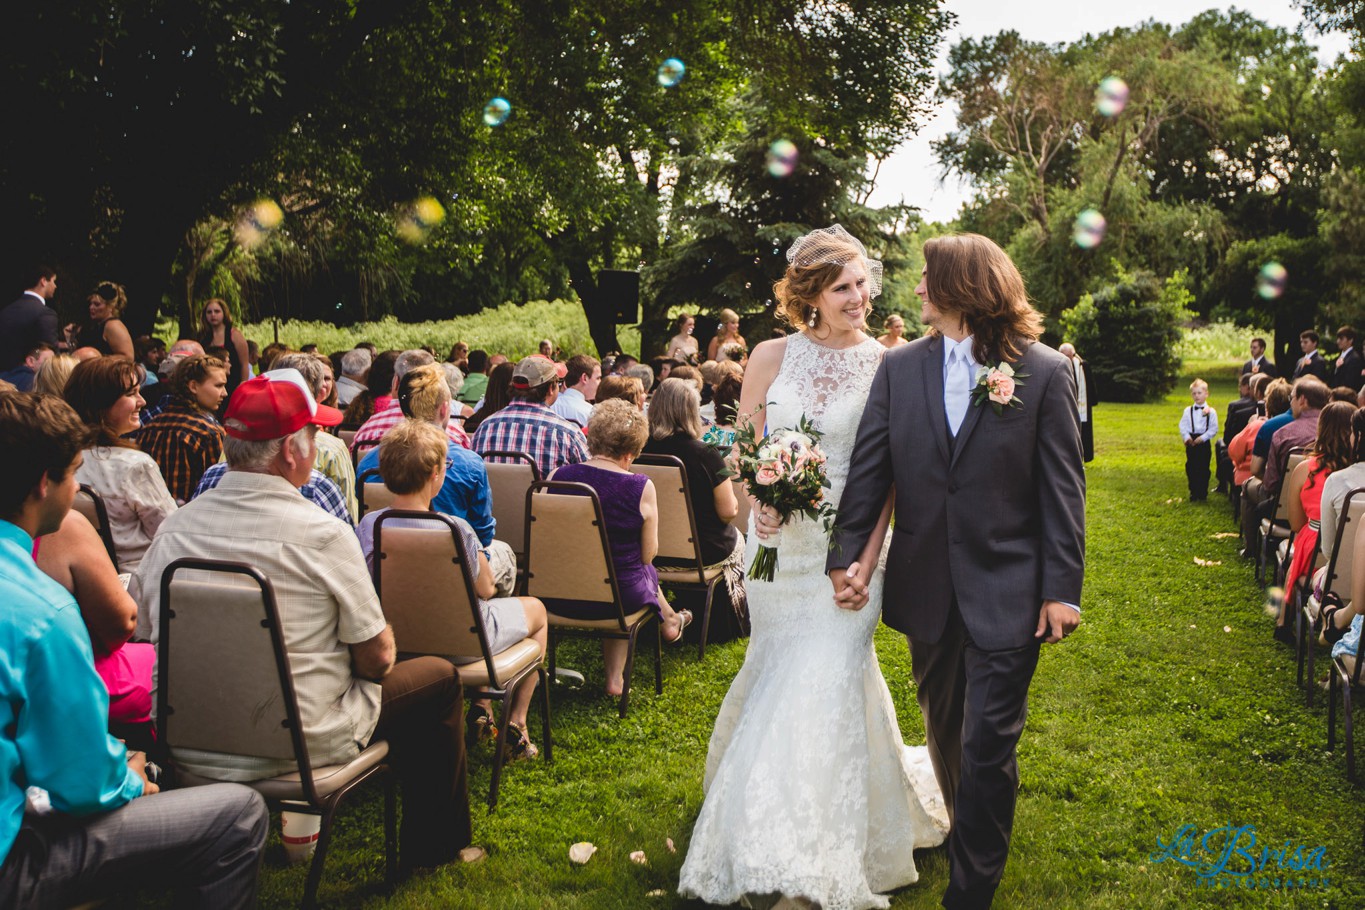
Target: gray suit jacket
[{"x": 995, "y": 519}]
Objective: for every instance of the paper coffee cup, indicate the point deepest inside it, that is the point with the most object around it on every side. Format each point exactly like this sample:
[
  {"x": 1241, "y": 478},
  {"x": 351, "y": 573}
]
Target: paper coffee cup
[{"x": 299, "y": 833}]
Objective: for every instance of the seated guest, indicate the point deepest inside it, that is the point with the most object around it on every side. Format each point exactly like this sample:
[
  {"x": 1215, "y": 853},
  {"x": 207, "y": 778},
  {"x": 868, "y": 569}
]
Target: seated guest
[
  {"x": 1343, "y": 481},
  {"x": 413, "y": 458},
  {"x": 1344, "y": 393},
  {"x": 334, "y": 458},
  {"x": 149, "y": 352},
  {"x": 1309, "y": 397},
  {"x": 643, "y": 373},
  {"x": 528, "y": 425},
  {"x": 376, "y": 397},
  {"x": 424, "y": 397},
  {"x": 328, "y": 390},
  {"x": 725, "y": 400},
  {"x": 691, "y": 374},
  {"x": 355, "y": 365},
  {"x": 1239, "y": 412},
  {"x": 476, "y": 378},
  {"x": 386, "y": 419},
  {"x": 109, "y": 826},
  {"x": 341, "y": 651},
  {"x": 626, "y": 388},
  {"x": 455, "y": 380},
  {"x": 675, "y": 429},
  {"x": 106, "y": 395},
  {"x": 497, "y": 396},
  {"x": 630, "y": 508},
  {"x": 1254, "y": 493},
  {"x": 185, "y": 438},
  {"x": 574, "y": 403},
  {"x": 1331, "y": 452},
  {"x": 21, "y": 377},
  {"x": 319, "y": 490},
  {"x": 49, "y": 377}
]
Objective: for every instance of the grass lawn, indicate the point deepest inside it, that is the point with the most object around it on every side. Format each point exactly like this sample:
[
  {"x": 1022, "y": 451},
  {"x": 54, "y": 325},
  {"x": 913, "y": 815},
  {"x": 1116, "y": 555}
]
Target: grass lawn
[{"x": 1172, "y": 705}]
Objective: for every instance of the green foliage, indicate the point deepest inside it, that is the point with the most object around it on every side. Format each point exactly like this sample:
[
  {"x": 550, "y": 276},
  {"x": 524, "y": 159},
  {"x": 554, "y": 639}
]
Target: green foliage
[
  {"x": 1128, "y": 331},
  {"x": 1225, "y": 341}
]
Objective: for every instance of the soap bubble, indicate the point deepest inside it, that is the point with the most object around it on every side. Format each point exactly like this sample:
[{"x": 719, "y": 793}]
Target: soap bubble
[
  {"x": 1111, "y": 96},
  {"x": 782, "y": 156},
  {"x": 1087, "y": 231},
  {"x": 416, "y": 220},
  {"x": 496, "y": 111},
  {"x": 257, "y": 221},
  {"x": 1270, "y": 281},
  {"x": 671, "y": 72}
]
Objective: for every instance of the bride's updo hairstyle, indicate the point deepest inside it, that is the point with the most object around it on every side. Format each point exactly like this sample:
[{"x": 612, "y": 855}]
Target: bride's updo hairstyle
[
  {"x": 970, "y": 276},
  {"x": 814, "y": 262}
]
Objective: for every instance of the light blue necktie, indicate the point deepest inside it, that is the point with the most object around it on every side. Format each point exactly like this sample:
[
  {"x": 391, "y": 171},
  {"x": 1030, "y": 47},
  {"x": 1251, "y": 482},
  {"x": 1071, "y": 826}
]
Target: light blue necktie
[{"x": 957, "y": 387}]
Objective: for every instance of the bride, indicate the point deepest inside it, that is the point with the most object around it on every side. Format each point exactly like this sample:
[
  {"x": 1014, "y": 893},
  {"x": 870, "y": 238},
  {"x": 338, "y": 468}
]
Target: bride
[{"x": 811, "y": 796}]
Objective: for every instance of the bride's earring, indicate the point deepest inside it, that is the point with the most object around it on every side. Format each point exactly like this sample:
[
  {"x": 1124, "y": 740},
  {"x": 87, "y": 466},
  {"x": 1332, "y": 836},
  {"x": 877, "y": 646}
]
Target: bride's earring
[{"x": 814, "y": 317}]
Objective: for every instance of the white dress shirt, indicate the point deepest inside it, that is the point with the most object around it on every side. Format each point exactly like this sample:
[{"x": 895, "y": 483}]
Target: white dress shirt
[
  {"x": 573, "y": 407},
  {"x": 960, "y": 368}
]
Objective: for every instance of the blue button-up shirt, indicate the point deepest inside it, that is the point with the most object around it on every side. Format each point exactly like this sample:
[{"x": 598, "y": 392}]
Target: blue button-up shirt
[
  {"x": 464, "y": 494},
  {"x": 54, "y": 709}
]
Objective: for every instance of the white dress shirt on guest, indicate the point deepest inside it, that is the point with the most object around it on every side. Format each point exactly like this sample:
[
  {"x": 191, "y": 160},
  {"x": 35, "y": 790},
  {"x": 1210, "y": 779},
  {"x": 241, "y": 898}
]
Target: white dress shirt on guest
[{"x": 573, "y": 407}]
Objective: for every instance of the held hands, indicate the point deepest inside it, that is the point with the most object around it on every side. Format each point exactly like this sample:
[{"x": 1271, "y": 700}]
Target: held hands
[
  {"x": 850, "y": 587},
  {"x": 1057, "y": 621},
  {"x": 138, "y": 762}
]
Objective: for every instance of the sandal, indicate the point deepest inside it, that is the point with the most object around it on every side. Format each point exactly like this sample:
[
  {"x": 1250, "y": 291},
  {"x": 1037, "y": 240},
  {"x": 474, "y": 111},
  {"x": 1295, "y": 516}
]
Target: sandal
[
  {"x": 478, "y": 725},
  {"x": 684, "y": 620},
  {"x": 521, "y": 747},
  {"x": 1331, "y": 606}
]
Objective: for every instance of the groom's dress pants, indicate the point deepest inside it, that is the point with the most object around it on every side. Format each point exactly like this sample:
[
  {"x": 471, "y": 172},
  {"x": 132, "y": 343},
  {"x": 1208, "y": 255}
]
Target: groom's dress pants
[{"x": 974, "y": 704}]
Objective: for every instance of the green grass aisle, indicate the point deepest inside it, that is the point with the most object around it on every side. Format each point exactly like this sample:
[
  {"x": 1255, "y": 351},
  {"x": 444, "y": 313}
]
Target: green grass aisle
[{"x": 1172, "y": 705}]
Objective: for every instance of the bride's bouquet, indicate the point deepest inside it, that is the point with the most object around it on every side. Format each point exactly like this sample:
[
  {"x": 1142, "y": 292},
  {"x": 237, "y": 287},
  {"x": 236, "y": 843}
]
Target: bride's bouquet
[{"x": 785, "y": 470}]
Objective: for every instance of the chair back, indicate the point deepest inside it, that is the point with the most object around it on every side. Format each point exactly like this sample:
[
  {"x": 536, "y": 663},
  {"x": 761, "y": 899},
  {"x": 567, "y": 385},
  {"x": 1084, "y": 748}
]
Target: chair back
[
  {"x": 91, "y": 505},
  {"x": 679, "y": 544},
  {"x": 1341, "y": 561},
  {"x": 568, "y": 555},
  {"x": 508, "y": 480},
  {"x": 1294, "y": 458},
  {"x": 224, "y": 678},
  {"x": 347, "y": 436},
  {"x": 371, "y": 493},
  {"x": 425, "y": 582}
]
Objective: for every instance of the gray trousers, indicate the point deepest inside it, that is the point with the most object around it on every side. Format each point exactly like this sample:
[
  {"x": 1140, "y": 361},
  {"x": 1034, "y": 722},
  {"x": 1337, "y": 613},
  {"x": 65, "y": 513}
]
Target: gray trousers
[{"x": 204, "y": 842}]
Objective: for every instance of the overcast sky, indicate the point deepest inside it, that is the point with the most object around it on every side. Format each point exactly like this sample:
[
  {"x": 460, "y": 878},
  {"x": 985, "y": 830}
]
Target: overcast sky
[{"x": 912, "y": 173}]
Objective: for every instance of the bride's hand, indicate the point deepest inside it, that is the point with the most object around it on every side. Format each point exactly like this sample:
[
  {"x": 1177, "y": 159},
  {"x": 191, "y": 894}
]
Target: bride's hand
[
  {"x": 850, "y": 588},
  {"x": 767, "y": 521}
]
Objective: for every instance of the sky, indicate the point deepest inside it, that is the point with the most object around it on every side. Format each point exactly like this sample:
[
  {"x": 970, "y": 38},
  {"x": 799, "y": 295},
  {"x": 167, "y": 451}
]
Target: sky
[{"x": 912, "y": 173}]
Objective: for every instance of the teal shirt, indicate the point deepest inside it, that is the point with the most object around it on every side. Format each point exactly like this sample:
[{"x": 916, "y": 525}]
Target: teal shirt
[{"x": 54, "y": 709}]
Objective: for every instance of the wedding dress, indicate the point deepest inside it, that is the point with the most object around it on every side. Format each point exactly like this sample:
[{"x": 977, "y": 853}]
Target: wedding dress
[{"x": 810, "y": 791}]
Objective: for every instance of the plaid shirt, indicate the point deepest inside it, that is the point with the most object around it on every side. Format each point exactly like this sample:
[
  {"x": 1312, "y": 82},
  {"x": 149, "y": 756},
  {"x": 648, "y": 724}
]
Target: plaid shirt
[
  {"x": 373, "y": 430},
  {"x": 522, "y": 426},
  {"x": 319, "y": 490},
  {"x": 183, "y": 441}
]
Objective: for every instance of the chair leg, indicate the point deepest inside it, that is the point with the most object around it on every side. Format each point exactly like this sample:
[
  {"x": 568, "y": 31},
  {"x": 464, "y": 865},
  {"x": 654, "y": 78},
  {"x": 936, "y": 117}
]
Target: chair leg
[
  {"x": 1310, "y": 645},
  {"x": 1350, "y": 727},
  {"x": 630, "y": 668},
  {"x": 659, "y": 657},
  {"x": 553, "y": 644},
  {"x": 545, "y": 736},
  {"x": 390, "y": 828},
  {"x": 1300, "y": 636},
  {"x": 499, "y": 751},
  {"x": 310, "y": 889},
  {"x": 1332, "y": 710},
  {"x": 706, "y": 616}
]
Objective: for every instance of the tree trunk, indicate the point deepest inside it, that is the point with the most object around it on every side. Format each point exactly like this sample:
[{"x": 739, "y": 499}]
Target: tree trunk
[{"x": 601, "y": 315}]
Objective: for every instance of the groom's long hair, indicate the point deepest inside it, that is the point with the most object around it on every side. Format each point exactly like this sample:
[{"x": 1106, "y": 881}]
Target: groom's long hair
[{"x": 969, "y": 275}]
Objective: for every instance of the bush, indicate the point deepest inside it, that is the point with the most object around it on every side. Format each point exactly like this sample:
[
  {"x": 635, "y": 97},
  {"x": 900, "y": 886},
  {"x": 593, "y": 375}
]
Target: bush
[
  {"x": 1129, "y": 331},
  {"x": 1218, "y": 341}
]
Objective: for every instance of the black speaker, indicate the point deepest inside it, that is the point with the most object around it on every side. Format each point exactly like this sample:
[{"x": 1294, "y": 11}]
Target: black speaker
[{"x": 621, "y": 293}]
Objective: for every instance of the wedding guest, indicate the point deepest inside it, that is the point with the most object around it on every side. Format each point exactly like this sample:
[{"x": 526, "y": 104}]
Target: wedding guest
[
  {"x": 334, "y": 457},
  {"x": 149, "y": 352},
  {"x": 459, "y": 354},
  {"x": 105, "y": 332},
  {"x": 683, "y": 346},
  {"x": 644, "y": 374},
  {"x": 185, "y": 438},
  {"x": 29, "y": 320},
  {"x": 727, "y": 332},
  {"x": 1342, "y": 482},
  {"x": 216, "y": 330},
  {"x": 327, "y": 390},
  {"x": 1259, "y": 363},
  {"x": 1311, "y": 363},
  {"x": 388, "y": 417},
  {"x": 1239, "y": 445},
  {"x": 355, "y": 365},
  {"x": 22, "y": 375},
  {"x": 625, "y": 388},
  {"x": 1254, "y": 495},
  {"x": 497, "y": 396},
  {"x": 1309, "y": 398},
  {"x": 528, "y": 425},
  {"x": 1331, "y": 452},
  {"x": 616, "y": 434},
  {"x": 691, "y": 374},
  {"x": 721, "y": 433},
  {"x": 1343, "y": 393},
  {"x": 574, "y": 403},
  {"x": 267, "y": 359},
  {"x": 1198, "y": 426},
  {"x": 376, "y": 397},
  {"x": 476, "y": 379},
  {"x": 455, "y": 382},
  {"x": 894, "y": 336},
  {"x": 1349, "y": 365},
  {"x": 51, "y": 375}
]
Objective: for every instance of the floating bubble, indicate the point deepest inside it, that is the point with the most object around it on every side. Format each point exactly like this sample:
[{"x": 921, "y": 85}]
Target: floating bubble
[
  {"x": 782, "y": 156},
  {"x": 257, "y": 221},
  {"x": 496, "y": 111},
  {"x": 416, "y": 220},
  {"x": 671, "y": 72},
  {"x": 1087, "y": 231},
  {"x": 1111, "y": 96},
  {"x": 1271, "y": 280}
]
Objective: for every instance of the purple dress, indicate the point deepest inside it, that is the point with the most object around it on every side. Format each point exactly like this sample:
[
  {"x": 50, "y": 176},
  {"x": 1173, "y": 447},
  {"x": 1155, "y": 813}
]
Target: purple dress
[{"x": 620, "y": 497}]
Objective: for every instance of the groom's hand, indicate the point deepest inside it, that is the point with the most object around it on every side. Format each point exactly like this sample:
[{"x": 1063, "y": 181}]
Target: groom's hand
[
  {"x": 850, "y": 588},
  {"x": 1057, "y": 621}
]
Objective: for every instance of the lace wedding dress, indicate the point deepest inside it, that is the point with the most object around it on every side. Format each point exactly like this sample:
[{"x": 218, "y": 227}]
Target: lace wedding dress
[{"x": 810, "y": 791}]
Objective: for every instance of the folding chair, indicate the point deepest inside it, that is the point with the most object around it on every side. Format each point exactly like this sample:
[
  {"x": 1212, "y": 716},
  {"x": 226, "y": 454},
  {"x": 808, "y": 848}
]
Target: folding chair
[
  {"x": 566, "y": 559},
  {"x": 371, "y": 493},
  {"x": 1346, "y": 678},
  {"x": 425, "y": 582},
  {"x": 225, "y": 686},
  {"x": 91, "y": 505},
  {"x": 1276, "y": 529},
  {"x": 1340, "y": 566},
  {"x": 679, "y": 561},
  {"x": 347, "y": 436},
  {"x": 508, "y": 480}
]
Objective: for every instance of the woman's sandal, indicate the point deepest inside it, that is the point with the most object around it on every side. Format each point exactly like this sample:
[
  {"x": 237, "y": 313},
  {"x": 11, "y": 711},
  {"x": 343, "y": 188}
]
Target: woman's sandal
[
  {"x": 684, "y": 620},
  {"x": 520, "y": 747},
  {"x": 1331, "y": 634},
  {"x": 478, "y": 725}
]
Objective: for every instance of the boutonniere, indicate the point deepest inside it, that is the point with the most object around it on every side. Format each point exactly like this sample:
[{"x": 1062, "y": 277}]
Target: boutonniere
[{"x": 997, "y": 384}]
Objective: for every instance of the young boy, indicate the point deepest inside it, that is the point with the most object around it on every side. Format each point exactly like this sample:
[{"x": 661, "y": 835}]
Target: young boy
[{"x": 1198, "y": 427}]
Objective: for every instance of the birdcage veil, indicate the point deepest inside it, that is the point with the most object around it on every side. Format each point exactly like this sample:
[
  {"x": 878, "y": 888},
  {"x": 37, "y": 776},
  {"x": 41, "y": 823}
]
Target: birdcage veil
[{"x": 834, "y": 246}]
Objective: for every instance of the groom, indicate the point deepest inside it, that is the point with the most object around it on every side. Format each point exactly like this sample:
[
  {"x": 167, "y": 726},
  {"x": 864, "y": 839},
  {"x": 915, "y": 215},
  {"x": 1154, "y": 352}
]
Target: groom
[{"x": 988, "y": 552}]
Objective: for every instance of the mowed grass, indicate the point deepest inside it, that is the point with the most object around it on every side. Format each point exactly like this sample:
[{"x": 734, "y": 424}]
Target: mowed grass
[{"x": 1171, "y": 705}]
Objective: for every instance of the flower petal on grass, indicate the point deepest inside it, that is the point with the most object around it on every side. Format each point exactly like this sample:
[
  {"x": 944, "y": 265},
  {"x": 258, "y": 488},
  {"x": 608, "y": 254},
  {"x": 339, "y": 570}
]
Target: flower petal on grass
[
  {"x": 1224, "y": 535},
  {"x": 638, "y": 856},
  {"x": 581, "y": 852},
  {"x": 1207, "y": 562},
  {"x": 668, "y": 842}
]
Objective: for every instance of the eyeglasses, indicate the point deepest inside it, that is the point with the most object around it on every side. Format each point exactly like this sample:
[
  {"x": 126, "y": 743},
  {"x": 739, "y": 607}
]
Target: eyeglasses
[{"x": 449, "y": 463}]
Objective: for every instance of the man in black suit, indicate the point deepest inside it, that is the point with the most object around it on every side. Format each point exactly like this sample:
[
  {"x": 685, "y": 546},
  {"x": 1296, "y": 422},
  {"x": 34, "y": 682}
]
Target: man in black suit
[
  {"x": 1311, "y": 363},
  {"x": 1240, "y": 413},
  {"x": 1350, "y": 364},
  {"x": 29, "y": 321},
  {"x": 1259, "y": 363},
  {"x": 987, "y": 555}
]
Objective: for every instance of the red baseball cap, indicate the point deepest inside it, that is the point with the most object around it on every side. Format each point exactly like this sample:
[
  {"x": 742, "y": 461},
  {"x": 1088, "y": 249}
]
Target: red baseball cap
[{"x": 274, "y": 405}]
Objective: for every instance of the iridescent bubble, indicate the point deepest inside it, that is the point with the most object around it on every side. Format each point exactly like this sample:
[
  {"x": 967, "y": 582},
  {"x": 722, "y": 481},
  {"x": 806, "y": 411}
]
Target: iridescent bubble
[
  {"x": 257, "y": 221},
  {"x": 671, "y": 72},
  {"x": 782, "y": 156},
  {"x": 1271, "y": 280},
  {"x": 496, "y": 111},
  {"x": 1087, "y": 231},
  {"x": 416, "y": 219},
  {"x": 1111, "y": 96}
]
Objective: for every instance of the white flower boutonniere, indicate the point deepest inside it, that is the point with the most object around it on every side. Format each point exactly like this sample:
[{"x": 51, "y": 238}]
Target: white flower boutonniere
[{"x": 997, "y": 384}]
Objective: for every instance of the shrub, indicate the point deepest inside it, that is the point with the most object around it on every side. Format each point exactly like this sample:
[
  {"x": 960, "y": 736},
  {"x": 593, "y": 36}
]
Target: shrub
[{"x": 1129, "y": 330}]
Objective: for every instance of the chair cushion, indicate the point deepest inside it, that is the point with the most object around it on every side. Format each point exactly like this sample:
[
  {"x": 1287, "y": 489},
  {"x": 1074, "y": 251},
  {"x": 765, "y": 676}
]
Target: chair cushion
[
  {"x": 688, "y": 576},
  {"x": 326, "y": 780},
  {"x": 566, "y": 622},
  {"x": 506, "y": 664}
]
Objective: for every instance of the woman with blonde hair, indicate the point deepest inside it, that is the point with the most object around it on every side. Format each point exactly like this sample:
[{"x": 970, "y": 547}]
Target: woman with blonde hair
[
  {"x": 52, "y": 374},
  {"x": 727, "y": 333},
  {"x": 894, "y": 336},
  {"x": 105, "y": 332},
  {"x": 625, "y": 388}
]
